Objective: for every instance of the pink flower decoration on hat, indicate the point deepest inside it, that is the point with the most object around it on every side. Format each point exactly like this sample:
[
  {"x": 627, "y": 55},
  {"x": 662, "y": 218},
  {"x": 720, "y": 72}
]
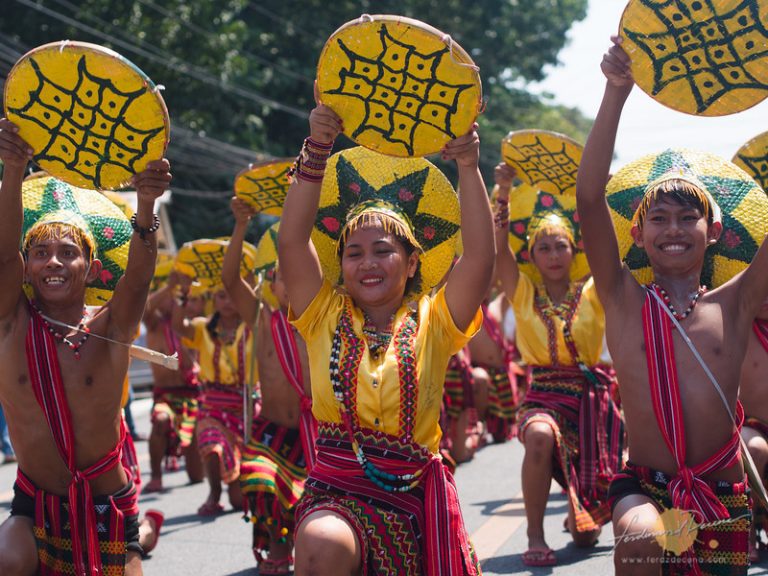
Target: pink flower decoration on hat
[
  {"x": 405, "y": 195},
  {"x": 109, "y": 232},
  {"x": 57, "y": 195},
  {"x": 429, "y": 232},
  {"x": 518, "y": 228},
  {"x": 331, "y": 224},
  {"x": 731, "y": 239},
  {"x": 105, "y": 276},
  {"x": 355, "y": 187},
  {"x": 547, "y": 200},
  {"x": 575, "y": 216},
  {"x": 525, "y": 255}
]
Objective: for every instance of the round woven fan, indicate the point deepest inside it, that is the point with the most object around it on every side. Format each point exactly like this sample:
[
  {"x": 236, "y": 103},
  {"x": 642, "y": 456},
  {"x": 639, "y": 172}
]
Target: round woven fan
[
  {"x": 548, "y": 161},
  {"x": 753, "y": 159},
  {"x": 203, "y": 259},
  {"x": 264, "y": 185}
]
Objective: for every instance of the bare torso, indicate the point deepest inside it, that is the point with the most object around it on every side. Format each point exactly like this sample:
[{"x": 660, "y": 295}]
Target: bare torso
[
  {"x": 483, "y": 349},
  {"x": 707, "y": 424},
  {"x": 93, "y": 386},
  {"x": 754, "y": 380},
  {"x": 280, "y": 402}
]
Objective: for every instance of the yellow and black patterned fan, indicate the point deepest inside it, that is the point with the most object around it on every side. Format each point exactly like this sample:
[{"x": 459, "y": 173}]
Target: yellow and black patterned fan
[
  {"x": 753, "y": 159},
  {"x": 265, "y": 185}
]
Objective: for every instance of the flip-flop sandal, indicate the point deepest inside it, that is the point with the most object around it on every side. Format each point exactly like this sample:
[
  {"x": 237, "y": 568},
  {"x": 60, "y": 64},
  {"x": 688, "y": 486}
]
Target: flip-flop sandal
[
  {"x": 158, "y": 518},
  {"x": 539, "y": 557},
  {"x": 210, "y": 509}
]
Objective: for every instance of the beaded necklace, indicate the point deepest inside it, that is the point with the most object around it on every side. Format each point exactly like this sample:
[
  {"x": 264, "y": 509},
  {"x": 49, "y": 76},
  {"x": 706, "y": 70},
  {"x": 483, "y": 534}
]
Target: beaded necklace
[
  {"x": 343, "y": 375},
  {"x": 239, "y": 370},
  {"x": 566, "y": 310},
  {"x": 668, "y": 301},
  {"x": 377, "y": 340},
  {"x": 59, "y": 337}
]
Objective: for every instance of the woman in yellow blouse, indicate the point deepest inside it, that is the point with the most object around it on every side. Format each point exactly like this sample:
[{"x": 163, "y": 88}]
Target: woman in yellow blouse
[
  {"x": 379, "y": 500},
  {"x": 569, "y": 425},
  {"x": 223, "y": 344}
]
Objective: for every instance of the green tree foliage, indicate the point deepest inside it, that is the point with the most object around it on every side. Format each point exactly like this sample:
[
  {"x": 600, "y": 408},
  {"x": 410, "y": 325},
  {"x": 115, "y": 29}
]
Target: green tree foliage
[{"x": 241, "y": 72}]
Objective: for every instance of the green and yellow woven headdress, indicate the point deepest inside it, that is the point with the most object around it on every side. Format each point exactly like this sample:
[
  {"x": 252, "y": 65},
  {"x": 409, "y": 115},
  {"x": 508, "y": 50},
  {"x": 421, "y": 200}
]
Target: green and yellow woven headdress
[
  {"x": 409, "y": 195},
  {"x": 266, "y": 262},
  {"x": 743, "y": 206}
]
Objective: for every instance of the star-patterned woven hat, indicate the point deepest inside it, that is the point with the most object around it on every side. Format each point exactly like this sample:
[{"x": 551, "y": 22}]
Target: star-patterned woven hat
[
  {"x": 412, "y": 190},
  {"x": 753, "y": 159},
  {"x": 91, "y": 116},
  {"x": 48, "y": 200},
  {"x": 203, "y": 260},
  {"x": 265, "y": 185},
  {"x": 546, "y": 160},
  {"x": 703, "y": 57},
  {"x": 266, "y": 262},
  {"x": 530, "y": 210},
  {"x": 743, "y": 207},
  {"x": 400, "y": 86}
]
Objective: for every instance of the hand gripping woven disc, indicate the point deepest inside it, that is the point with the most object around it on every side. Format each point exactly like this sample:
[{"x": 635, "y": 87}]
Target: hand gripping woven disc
[
  {"x": 527, "y": 204},
  {"x": 548, "y": 161},
  {"x": 414, "y": 186},
  {"x": 265, "y": 185},
  {"x": 744, "y": 208},
  {"x": 203, "y": 259},
  {"x": 753, "y": 159},
  {"x": 703, "y": 57},
  {"x": 91, "y": 116},
  {"x": 51, "y": 199},
  {"x": 400, "y": 86},
  {"x": 266, "y": 260}
]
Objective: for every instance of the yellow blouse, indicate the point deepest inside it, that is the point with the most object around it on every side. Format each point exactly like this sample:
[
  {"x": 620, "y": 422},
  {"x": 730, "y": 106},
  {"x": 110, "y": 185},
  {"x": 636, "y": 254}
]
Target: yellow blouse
[
  {"x": 378, "y": 389},
  {"x": 229, "y": 358},
  {"x": 587, "y": 327}
]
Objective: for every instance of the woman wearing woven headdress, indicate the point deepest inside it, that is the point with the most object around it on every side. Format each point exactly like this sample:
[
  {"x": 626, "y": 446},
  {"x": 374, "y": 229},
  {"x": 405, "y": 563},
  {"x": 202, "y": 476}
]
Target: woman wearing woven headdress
[
  {"x": 379, "y": 500},
  {"x": 569, "y": 425}
]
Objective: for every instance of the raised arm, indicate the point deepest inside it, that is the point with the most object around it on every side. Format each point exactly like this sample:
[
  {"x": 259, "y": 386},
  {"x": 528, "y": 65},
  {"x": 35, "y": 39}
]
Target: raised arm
[
  {"x": 507, "y": 270},
  {"x": 127, "y": 304},
  {"x": 468, "y": 282},
  {"x": 600, "y": 243},
  {"x": 298, "y": 260},
  {"x": 753, "y": 285},
  {"x": 15, "y": 153},
  {"x": 243, "y": 297}
]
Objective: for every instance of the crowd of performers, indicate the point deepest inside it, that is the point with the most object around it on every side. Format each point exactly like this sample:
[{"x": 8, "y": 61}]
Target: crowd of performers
[{"x": 375, "y": 381}]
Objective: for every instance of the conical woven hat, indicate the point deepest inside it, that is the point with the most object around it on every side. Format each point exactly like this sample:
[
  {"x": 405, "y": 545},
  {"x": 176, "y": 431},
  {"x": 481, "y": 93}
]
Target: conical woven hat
[
  {"x": 264, "y": 185},
  {"x": 753, "y": 159},
  {"x": 400, "y": 86},
  {"x": 91, "y": 116},
  {"x": 548, "y": 161},
  {"x": 203, "y": 260},
  {"x": 119, "y": 200},
  {"x": 45, "y": 196},
  {"x": 526, "y": 204},
  {"x": 414, "y": 186},
  {"x": 703, "y": 57},
  {"x": 266, "y": 260},
  {"x": 743, "y": 204}
]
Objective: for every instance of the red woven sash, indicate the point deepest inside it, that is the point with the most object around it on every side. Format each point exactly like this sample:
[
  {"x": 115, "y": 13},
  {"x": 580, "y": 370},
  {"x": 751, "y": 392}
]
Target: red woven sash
[{"x": 494, "y": 332}]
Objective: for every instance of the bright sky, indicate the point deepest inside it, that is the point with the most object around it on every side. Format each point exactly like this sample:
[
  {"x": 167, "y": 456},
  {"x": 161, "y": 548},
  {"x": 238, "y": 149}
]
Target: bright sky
[{"x": 646, "y": 125}]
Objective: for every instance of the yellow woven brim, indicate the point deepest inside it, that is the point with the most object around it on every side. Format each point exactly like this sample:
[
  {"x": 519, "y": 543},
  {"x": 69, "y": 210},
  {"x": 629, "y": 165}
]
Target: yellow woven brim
[
  {"x": 548, "y": 161},
  {"x": 266, "y": 259},
  {"x": 91, "y": 116},
  {"x": 744, "y": 208},
  {"x": 753, "y": 159},
  {"x": 702, "y": 58},
  {"x": 110, "y": 228},
  {"x": 265, "y": 185},
  {"x": 525, "y": 201},
  {"x": 414, "y": 185},
  {"x": 400, "y": 86},
  {"x": 203, "y": 259},
  {"x": 119, "y": 200}
]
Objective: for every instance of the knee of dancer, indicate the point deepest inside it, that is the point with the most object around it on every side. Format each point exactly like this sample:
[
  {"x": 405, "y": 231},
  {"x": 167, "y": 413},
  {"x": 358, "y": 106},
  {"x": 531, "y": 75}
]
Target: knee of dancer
[
  {"x": 160, "y": 421},
  {"x": 758, "y": 449},
  {"x": 326, "y": 544},
  {"x": 539, "y": 439}
]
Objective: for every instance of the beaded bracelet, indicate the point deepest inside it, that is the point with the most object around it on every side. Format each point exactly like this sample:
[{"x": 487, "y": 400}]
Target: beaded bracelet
[
  {"x": 144, "y": 231},
  {"x": 311, "y": 161},
  {"x": 501, "y": 214}
]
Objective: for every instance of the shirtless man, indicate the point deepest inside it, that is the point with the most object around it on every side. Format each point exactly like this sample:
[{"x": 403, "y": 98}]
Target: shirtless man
[
  {"x": 674, "y": 225},
  {"x": 175, "y": 391},
  {"x": 81, "y": 461},
  {"x": 284, "y": 430}
]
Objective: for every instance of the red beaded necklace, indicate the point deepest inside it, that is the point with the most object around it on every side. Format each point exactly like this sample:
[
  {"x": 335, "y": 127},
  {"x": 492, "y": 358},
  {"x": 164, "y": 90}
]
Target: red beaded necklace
[
  {"x": 59, "y": 337},
  {"x": 688, "y": 310}
]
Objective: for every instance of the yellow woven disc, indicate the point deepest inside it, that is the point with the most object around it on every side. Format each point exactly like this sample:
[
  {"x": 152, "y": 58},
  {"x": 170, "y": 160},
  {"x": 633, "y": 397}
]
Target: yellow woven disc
[
  {"x": 525, "y": 202},
  {"x": 203, "y": 260},
  {"x": 265, "y": 185},
  {"x": 548, "y": 161},
  {"x": 414, "y": 186},
  {"x": 703, "y": 57},
  {"x": 266, "y": 259},
  {"x": 163, "y": 268},
  {"x": 400, "y": 86},
  {"x": 743, "y": 204},
  {"x": 91, "y": 116},
  {"x": 753, "y": 159},
  {"x": 45, "y": 196}
]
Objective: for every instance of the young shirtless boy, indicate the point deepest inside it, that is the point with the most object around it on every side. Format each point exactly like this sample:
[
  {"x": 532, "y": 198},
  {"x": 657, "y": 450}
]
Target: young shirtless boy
[
  {"x": 690, "y": 459},
  {"x": 282, "y": 443},
  {"x": 69, "y": 453}
]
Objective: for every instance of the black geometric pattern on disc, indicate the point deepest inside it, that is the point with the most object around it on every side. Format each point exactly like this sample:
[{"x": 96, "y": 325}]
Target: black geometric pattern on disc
[
  {"x": 268, "y": 191},
  {"x": 208, "y": 264},
  {"x": 400, "y": 90},
  {"x": 544, "y": 165},
  {"x": 704, "y": 48},
  {"x": 86, "y": 125},
  {"x": 758, "y": 167}
]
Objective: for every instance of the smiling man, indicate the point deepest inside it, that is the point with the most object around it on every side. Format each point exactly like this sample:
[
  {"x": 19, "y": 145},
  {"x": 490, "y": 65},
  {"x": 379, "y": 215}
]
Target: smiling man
[{"x": 63, "y": 372}]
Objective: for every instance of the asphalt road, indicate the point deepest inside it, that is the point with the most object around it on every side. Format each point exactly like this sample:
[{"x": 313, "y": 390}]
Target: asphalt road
[{"x": 489, "y": 489}]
